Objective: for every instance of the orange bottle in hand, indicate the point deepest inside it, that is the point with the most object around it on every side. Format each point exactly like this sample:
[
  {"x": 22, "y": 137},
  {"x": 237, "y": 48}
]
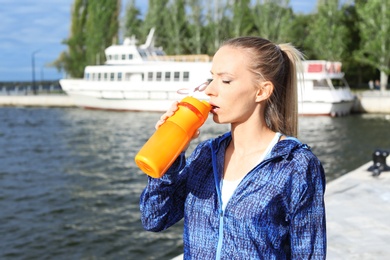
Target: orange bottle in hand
[{"x": 169, "y": 140}]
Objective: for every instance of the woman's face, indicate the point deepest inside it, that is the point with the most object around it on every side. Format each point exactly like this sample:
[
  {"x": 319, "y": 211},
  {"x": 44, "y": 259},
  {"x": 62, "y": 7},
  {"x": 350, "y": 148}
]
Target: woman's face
[{"x": 232, "y": 91}]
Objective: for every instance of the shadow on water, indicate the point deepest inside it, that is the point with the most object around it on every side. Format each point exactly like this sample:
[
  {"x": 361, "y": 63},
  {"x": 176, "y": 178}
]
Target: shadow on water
[{"x": 69, "y": 187}]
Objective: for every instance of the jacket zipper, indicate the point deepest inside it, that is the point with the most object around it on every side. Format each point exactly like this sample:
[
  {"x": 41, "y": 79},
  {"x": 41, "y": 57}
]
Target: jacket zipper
[{"x": 220, "y": 211}]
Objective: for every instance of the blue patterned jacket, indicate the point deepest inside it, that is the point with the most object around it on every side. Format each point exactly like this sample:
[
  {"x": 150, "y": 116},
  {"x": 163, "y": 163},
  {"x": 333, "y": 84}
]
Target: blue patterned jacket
[{"x": 276, "y": 212}]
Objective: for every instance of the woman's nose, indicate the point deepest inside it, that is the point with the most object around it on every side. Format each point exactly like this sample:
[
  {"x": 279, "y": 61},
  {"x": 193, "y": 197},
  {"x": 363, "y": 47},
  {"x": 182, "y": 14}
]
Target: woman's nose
[{"x": 209, "y": 91}]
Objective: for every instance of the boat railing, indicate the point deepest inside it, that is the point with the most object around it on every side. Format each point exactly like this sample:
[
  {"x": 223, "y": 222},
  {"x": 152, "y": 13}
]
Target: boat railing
[{"x": 186, "y": 58}]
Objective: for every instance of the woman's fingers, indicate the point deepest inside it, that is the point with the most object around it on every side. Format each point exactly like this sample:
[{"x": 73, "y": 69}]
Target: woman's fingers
[{"x": 171, "y": 111}]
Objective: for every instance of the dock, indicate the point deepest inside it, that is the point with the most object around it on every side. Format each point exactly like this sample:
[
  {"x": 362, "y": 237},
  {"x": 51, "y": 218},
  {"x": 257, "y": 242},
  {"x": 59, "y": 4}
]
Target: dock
[{"x": 358, "y": 215}]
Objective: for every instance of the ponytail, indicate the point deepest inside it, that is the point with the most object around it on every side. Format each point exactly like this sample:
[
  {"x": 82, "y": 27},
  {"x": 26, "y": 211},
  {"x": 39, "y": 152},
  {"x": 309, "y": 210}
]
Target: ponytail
[{"x": 278, "y": 64}]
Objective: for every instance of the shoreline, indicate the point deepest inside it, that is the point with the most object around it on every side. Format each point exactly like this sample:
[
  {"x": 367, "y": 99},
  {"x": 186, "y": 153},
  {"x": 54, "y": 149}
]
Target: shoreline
[{"x": 372, "y": 102}]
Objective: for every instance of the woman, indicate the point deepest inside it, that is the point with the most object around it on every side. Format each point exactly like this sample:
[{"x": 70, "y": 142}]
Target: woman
[{"x": 255, "y": 192}]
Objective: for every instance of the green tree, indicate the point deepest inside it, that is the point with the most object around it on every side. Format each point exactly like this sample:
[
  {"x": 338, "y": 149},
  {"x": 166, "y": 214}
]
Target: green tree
[
  {"x": 94, "y": 26},
  {"x": 299, "y": 29},
  {"x": 357, "y": 73},
  {"x": 327, "y": 33},
  {"x": 217, "y": 25},
  {"x": 101, "y": 28},
  {"x": 242, "y": 23},
  {"x": 195, "y": 27},
  {"x": 177, "y": 34},
  {"x": 133, "y": 21},
  {"x": 272, "y": 19},
  {"x": 154, "y": 17},
  {"x": 374, "y": 28},
  {"x": 73, "y": 60}
]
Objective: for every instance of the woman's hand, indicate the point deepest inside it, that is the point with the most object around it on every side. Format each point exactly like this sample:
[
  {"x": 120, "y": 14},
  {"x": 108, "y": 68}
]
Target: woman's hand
[{"x": 171, "y": 111}]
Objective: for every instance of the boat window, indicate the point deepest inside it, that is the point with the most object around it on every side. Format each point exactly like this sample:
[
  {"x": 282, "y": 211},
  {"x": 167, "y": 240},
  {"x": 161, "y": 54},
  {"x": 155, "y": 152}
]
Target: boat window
[
  {"x": 127, "y": 76},
  {"x": 176, "y": 76},
  {"x": 158, "y": 76},
  {"x": 339, "y": 83},
  {"x": 86, "y": 76},
  {"x": 105, "y": 76},
  {"x": 112, "y": 76},
  {"x": 123, "y": 56},
  {"x": 119, "y": 76},
  {"x": 93, "y": 76},
  {"x": 99, "y": 76},
  {"x": 116, "y": 57},
  {"x": 150, "y": 76},
  {"x": 186, "y": 76},
  {"x": 110, "y": 57},
  {"x": 142, "y": 53},
  {"x": 130, "y": 56},
  {"x": 318, "y": 84},
  {"x": 167, "y": 76}
]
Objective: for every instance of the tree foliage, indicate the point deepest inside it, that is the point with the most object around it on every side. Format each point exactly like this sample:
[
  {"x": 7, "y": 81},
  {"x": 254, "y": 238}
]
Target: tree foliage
[
  {"x": 272, "y": 19},
  {"x": 355, "y": 33},
  {"x": 374, "y": 30},
  {"x": 94, "y": 27},
  {"x": 327, "y": 33},
  {"x": 74, "y": 60},
  {"x": 133, "y": 21}
]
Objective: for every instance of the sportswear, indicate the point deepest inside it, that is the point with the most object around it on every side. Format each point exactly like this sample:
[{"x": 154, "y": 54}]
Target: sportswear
[{"x": 276, "y": 212}]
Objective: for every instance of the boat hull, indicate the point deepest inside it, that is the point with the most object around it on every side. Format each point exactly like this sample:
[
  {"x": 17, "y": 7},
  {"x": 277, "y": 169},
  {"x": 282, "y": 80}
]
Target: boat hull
[
  {"x": 342, "y": 108},
  {"x": 119, "y": 102}
]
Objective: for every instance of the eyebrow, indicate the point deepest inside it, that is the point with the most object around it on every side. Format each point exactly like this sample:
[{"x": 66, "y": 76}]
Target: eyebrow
[{"x": 222, "y": 73}]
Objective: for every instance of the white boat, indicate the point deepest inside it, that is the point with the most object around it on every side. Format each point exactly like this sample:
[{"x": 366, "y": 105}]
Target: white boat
[{"x": 142, "y": 78}]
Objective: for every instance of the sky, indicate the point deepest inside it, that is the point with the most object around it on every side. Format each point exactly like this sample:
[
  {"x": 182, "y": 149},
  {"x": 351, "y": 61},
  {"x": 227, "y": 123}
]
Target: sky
[{"x": 34, "y": 29}]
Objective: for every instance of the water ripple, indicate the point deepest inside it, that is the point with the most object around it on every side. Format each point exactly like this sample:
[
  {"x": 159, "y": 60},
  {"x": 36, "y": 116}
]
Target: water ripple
[{"x": 69, "y": 187}]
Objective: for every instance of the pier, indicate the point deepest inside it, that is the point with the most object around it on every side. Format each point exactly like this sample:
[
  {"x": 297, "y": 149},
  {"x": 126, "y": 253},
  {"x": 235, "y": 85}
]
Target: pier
[{"x": 358, "y": 215}]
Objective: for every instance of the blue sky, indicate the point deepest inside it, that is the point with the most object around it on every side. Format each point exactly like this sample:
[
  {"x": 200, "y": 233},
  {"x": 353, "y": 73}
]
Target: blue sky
[{"x": 40, "y": 25}]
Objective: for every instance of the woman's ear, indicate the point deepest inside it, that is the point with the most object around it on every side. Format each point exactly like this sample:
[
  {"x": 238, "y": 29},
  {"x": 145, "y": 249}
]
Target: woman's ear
[{"x": 265, "y": 91}]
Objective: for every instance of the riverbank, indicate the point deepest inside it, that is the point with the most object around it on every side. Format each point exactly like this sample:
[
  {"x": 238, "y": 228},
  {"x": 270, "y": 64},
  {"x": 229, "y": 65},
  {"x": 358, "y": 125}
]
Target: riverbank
[
  {"x": 51, "y": 100},
  {"x": 373, "y": 102}
]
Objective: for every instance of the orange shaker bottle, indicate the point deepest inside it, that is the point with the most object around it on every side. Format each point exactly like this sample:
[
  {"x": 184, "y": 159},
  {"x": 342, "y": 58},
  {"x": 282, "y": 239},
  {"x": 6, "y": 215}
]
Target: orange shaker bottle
[{"x": 169, "y": 140}]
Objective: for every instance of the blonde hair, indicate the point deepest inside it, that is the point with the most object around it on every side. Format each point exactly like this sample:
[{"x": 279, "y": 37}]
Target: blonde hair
[{"x": 278, "y": 64}]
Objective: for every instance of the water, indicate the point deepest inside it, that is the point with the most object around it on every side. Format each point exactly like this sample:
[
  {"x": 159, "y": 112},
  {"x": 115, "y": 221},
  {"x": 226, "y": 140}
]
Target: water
[{"x": 69, "y": 188}]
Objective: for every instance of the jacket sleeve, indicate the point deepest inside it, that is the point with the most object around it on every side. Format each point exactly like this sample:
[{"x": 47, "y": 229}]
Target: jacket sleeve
[
  {"x": 308, "y": 225},
  {"x": 162, "y": 201}
]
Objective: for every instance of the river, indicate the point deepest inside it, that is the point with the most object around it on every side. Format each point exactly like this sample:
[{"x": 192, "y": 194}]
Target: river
[{"x": 69, "y": 187}]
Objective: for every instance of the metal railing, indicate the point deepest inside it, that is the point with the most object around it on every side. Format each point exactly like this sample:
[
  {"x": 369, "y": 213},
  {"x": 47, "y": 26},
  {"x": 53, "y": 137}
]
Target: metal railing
[{"x": 27, "y": 88}]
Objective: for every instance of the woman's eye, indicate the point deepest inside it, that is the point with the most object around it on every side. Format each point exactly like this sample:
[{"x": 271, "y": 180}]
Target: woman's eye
[{"x": 226, "y": 81}]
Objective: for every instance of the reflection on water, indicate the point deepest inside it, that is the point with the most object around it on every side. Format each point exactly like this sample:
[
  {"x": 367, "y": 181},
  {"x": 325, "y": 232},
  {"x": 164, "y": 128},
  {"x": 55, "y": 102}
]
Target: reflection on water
[{"x": 69, "y": 187}]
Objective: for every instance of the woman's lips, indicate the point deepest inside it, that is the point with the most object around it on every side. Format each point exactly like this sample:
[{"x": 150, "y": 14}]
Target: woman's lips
[{"x": 214, "y": 108}]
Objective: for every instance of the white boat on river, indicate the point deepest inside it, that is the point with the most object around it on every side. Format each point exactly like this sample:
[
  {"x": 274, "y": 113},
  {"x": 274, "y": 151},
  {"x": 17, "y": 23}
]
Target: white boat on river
[{"x": 142, "y": 78}]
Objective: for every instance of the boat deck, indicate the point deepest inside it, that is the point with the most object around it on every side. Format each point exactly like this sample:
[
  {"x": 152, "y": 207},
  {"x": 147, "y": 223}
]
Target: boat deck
[{"x": 358, "y": 215}]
